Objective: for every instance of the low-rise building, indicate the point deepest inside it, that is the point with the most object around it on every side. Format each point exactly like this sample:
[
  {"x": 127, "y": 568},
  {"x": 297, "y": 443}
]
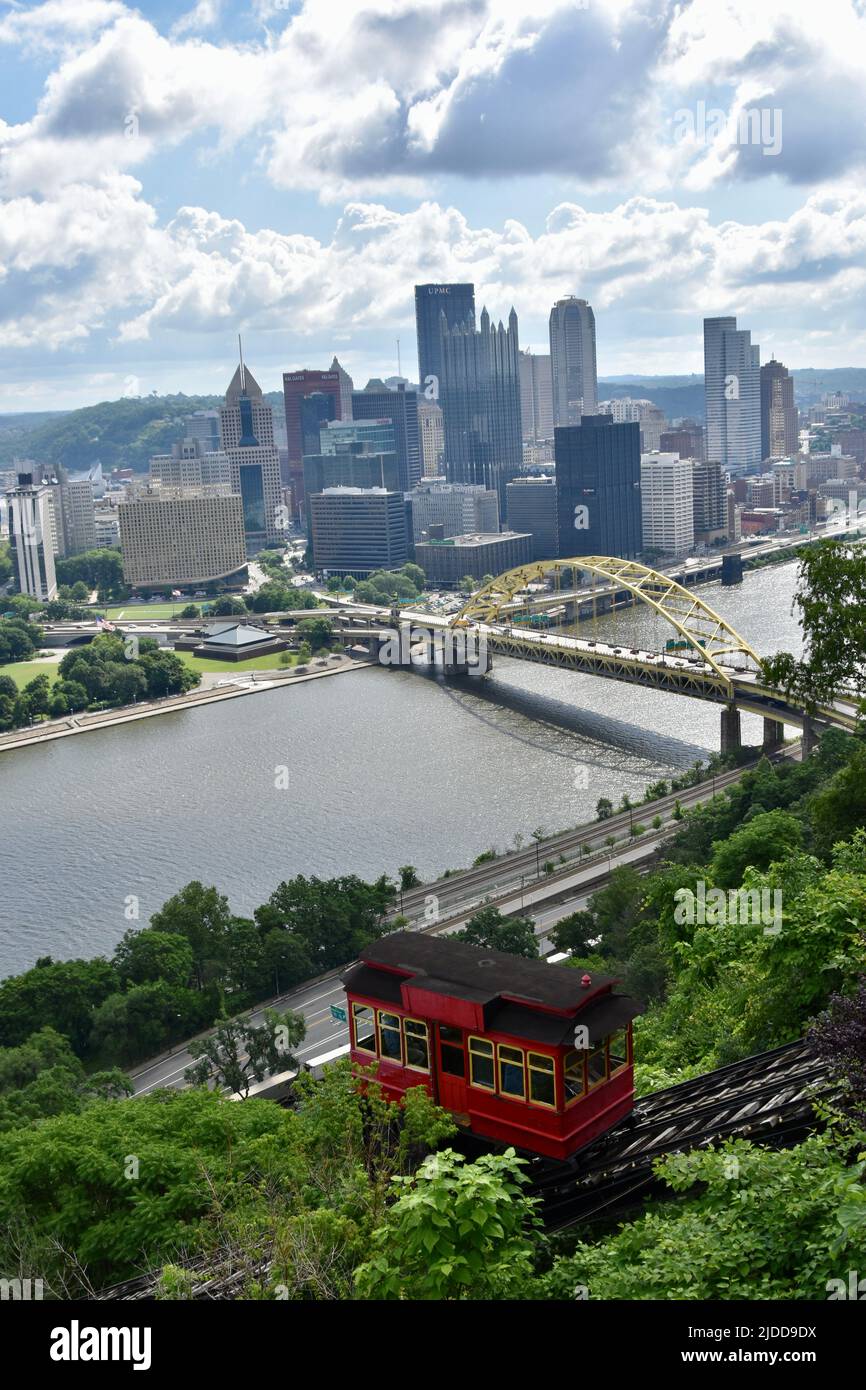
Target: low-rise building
[{"x": 448, "y": 561}]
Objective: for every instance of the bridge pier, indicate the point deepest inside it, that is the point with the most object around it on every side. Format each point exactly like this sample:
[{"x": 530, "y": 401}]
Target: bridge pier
[
  {"x": 774, "y": 734},
  {"x": 731, "y": 740},
  {"x": 809, "y": 737}
]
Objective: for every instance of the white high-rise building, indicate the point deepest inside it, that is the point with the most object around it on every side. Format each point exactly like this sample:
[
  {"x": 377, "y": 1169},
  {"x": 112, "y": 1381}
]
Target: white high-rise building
[
  {"x": 572, "y": 361},
  {"x": 536, "y": 396},
  {"x": 667, "y": 503},
  {"x": 732, "y": 390},
  {"x": 459, "y": 508},
  {"x": 648, "y": 415},
  {"x": 191, "y": 465},
  {"x": 185, "y": 535},
  {"x": 30, "y": 522}
]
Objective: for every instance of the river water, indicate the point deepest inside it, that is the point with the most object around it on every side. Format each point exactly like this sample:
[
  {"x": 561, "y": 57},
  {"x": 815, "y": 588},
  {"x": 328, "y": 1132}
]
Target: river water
[{"x": 382, "y": 768}]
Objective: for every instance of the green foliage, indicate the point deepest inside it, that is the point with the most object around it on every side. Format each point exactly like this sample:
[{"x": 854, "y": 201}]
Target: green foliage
[
  {"x": 59, "y": 994},
  {"x": 759, "y": 1225},
  {"x": 457, "y": 1231},
  {"x": 331, "y": 919},
  {"x": 95, "y": 569},
  {"x": 489, "y": 929},
  {"x": 239, "y": 1052},
  {"x": 762, "y": 841},
  {"x": 44, "y": 1077},
  {"x": 831, "y": 599}
]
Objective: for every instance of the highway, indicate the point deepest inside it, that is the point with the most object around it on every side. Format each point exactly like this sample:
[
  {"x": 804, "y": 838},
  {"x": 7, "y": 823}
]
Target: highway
[{"x": 511, "y": 884}]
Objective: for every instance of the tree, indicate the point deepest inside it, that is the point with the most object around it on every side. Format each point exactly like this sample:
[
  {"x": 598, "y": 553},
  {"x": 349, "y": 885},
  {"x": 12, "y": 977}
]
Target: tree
[
  {"x": 239, "y": 1052},
  {"x": 831, "y": 599},
  {"x": 203, "y": 917},
  {"x": 575, "y": 933},
  {"x": 331, "y": 919},
  {"x": 190, "y": 611},
  {"x": 408, "y": 877},
  {"x": 759, "y": 843},
  {"x": 457, "y": 1230},
  {"x": 316, "y": 632},
  {"x": 58, "y": 994},
  {"x": 228, "y": 607},
  {"x": 603, "y": 808},
  {"x": 44, "y": 1077},
  {"x": 148, "y": 955},
  {"x": 304, "y": 653},
  {"x": 490, "y": 930},
  {"x": 840, "y": 807},
  {"x": 839, "y": 1037},
  {"x": 467, "y": 584},
  {"x": 147, "y": 1018},
  {"x": 415, "y": 575}
]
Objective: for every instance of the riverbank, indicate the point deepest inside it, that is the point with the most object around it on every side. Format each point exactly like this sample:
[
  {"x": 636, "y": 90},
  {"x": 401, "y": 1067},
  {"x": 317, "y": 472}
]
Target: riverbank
[{"x": 245, "y": 683}]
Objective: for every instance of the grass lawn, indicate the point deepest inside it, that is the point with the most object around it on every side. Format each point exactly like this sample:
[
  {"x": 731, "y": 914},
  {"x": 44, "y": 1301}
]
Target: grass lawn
[
  {"x": 24, "y": 671},
  {"x": 271, "y": 662},
  {"x": 144, "y": 612}
]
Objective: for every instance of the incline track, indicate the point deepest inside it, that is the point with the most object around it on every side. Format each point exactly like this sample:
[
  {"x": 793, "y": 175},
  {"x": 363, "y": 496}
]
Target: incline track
[{"x": 766, "y": 1098}]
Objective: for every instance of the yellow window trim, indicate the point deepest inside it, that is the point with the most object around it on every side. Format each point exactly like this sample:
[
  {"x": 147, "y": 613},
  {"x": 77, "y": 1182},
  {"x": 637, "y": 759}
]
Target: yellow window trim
[
  {"x": 488, "y": 1056},
  {"x": 389, "y": 1027},
  {"x": 500, "y": 1062},
  {"x": 371, "y": 1052},
  {"x": 413, "y": 1066},
  {"x": 574, "y": 1099},
  {"x": 549, "y": 1069}
]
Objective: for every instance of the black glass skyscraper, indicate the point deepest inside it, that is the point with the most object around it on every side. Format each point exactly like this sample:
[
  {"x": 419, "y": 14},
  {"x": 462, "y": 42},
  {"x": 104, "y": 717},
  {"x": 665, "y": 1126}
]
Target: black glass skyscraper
[
  {"x": 598, "y": 488},
  {"x": 480, "y": 399},
  {"x": 457, "y": 303}
]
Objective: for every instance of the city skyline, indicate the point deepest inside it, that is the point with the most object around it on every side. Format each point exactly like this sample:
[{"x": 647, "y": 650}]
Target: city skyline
[{"x": 236, "y": 171}]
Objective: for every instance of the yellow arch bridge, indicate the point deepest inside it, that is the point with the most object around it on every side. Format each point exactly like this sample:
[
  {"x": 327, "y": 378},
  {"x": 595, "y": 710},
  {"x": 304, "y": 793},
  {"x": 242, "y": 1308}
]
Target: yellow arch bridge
[{"x": 709, "y": 660}]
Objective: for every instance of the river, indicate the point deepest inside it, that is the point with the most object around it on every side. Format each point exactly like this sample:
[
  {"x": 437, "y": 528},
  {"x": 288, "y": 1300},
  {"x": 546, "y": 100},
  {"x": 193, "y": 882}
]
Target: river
[{"x": 357, "y": 773}]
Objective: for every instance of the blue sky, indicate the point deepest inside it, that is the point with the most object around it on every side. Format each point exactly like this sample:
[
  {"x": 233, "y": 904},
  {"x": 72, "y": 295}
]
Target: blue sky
[{"x": 171, "y": 174}]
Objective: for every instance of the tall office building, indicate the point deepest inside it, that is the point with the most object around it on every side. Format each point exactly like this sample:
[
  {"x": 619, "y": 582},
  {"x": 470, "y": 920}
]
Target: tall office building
[
  {"x": 29, "y": 506},
  {"x": 432, "y": 435},
  {"x": 347, "y": 386},
  {"x": 532, "y": 508},
  {"x": 709, "y": 493},
  {"x": 357, "y": 530},
  {"x": 732, "y": 390},
  {"x": 184, "y": 536},
  {"x": 296, "y": 386},
  {"x": 437, "y": 306},
  {"x": 667, "y": 503},
  {"x": 190, "y": 464},
  {"x": 572, "y": 361},
  {"x": 779, "y": 423},
  {"x": 457, "y": 508},
  {"x": 203, "y": 425},
  {"x": 480, "y": 399},
  {"x": 598, "y": 488},
  {"x": 648, "y": 415},
  {"x": 536, "y": 396},
  {"x": 685, "y": 439},
  {"x": 377, "y": 402},
  {"x": 74, "y": 516},
  {"x": 247, "y": 436}
]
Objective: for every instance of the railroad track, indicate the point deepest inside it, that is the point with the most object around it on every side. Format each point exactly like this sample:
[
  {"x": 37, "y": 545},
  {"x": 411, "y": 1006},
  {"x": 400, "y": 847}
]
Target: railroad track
[{"x": 767, "y": 1098}]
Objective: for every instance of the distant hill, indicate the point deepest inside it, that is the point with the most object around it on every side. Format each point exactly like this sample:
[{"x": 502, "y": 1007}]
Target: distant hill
[{"x": 126, "y": 433}]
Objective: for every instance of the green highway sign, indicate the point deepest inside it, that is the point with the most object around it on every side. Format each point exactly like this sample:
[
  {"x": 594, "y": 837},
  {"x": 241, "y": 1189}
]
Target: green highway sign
[{"x": 338, "y": 1015}]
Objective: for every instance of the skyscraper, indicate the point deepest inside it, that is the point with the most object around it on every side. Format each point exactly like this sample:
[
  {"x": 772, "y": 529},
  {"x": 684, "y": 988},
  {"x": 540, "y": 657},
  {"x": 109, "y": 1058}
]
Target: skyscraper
[
  {"x": 572, "y": 360},
  {"x": 598, "y": 498},
  {"x": 30, "y": 538},
  {"x": 377, "y": 402},
  {"x": 432, "y": 433},
  {"x": 536, "y": 396},
  {"x": 247, "y": 437},
  {"x": 454, "y": 303},
  {"x": 297, "y": 385},
  {"x": 778, "y": 412},
  {"x": 667, "y": 503},
  {"x": 182, "y": 535},
  {"x": 732, "y": 390},
  {"x": 480, "y": 399}
]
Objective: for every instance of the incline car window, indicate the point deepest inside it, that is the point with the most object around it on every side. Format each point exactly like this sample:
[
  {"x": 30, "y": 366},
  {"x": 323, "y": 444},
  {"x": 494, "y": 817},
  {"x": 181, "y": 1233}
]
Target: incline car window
[
  {"x": 511, "y": 1081},
  {"x": 542, "y": 1082},
  {"x": 389, "y": 1036},
  {"x": 481, "y": 1064},
  {"x": 365, "y": 1028},
  {"x": 451, "y": 1043},
  {"x": 417, "y": 1048}
]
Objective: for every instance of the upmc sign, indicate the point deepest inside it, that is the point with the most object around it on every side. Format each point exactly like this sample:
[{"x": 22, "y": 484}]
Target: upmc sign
[{"x": 438, "y": 289}]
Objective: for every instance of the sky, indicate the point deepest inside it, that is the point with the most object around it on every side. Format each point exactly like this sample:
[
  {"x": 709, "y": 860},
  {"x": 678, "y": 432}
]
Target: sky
[{"x": 176, "y": 173}]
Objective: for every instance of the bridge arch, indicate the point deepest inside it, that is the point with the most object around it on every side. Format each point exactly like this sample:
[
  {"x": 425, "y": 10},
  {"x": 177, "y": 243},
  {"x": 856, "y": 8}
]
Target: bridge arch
[{"x": 687, "y": 614}]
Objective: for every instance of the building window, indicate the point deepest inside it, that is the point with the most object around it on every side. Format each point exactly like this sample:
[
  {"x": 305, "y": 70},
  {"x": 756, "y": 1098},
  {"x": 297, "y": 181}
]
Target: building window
[
  {"x": 596, "y": 1065},
  {"x": 389, "y": 1037},
  {"x": 364, "y": 1026},
  {"x": 617, "y": 1051},
  {"x": 451, "y": 1047},
  {"x": 481, "y": 1064},
  {"x": 417, "y": 1045},
  {"x": 574, "y": 1076},
  {"x": 542, "y": 1081}
]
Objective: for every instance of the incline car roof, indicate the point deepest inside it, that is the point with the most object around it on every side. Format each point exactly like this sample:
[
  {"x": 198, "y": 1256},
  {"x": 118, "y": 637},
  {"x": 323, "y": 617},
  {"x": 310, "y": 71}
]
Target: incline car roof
[{"x": 470, "y": 972}]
